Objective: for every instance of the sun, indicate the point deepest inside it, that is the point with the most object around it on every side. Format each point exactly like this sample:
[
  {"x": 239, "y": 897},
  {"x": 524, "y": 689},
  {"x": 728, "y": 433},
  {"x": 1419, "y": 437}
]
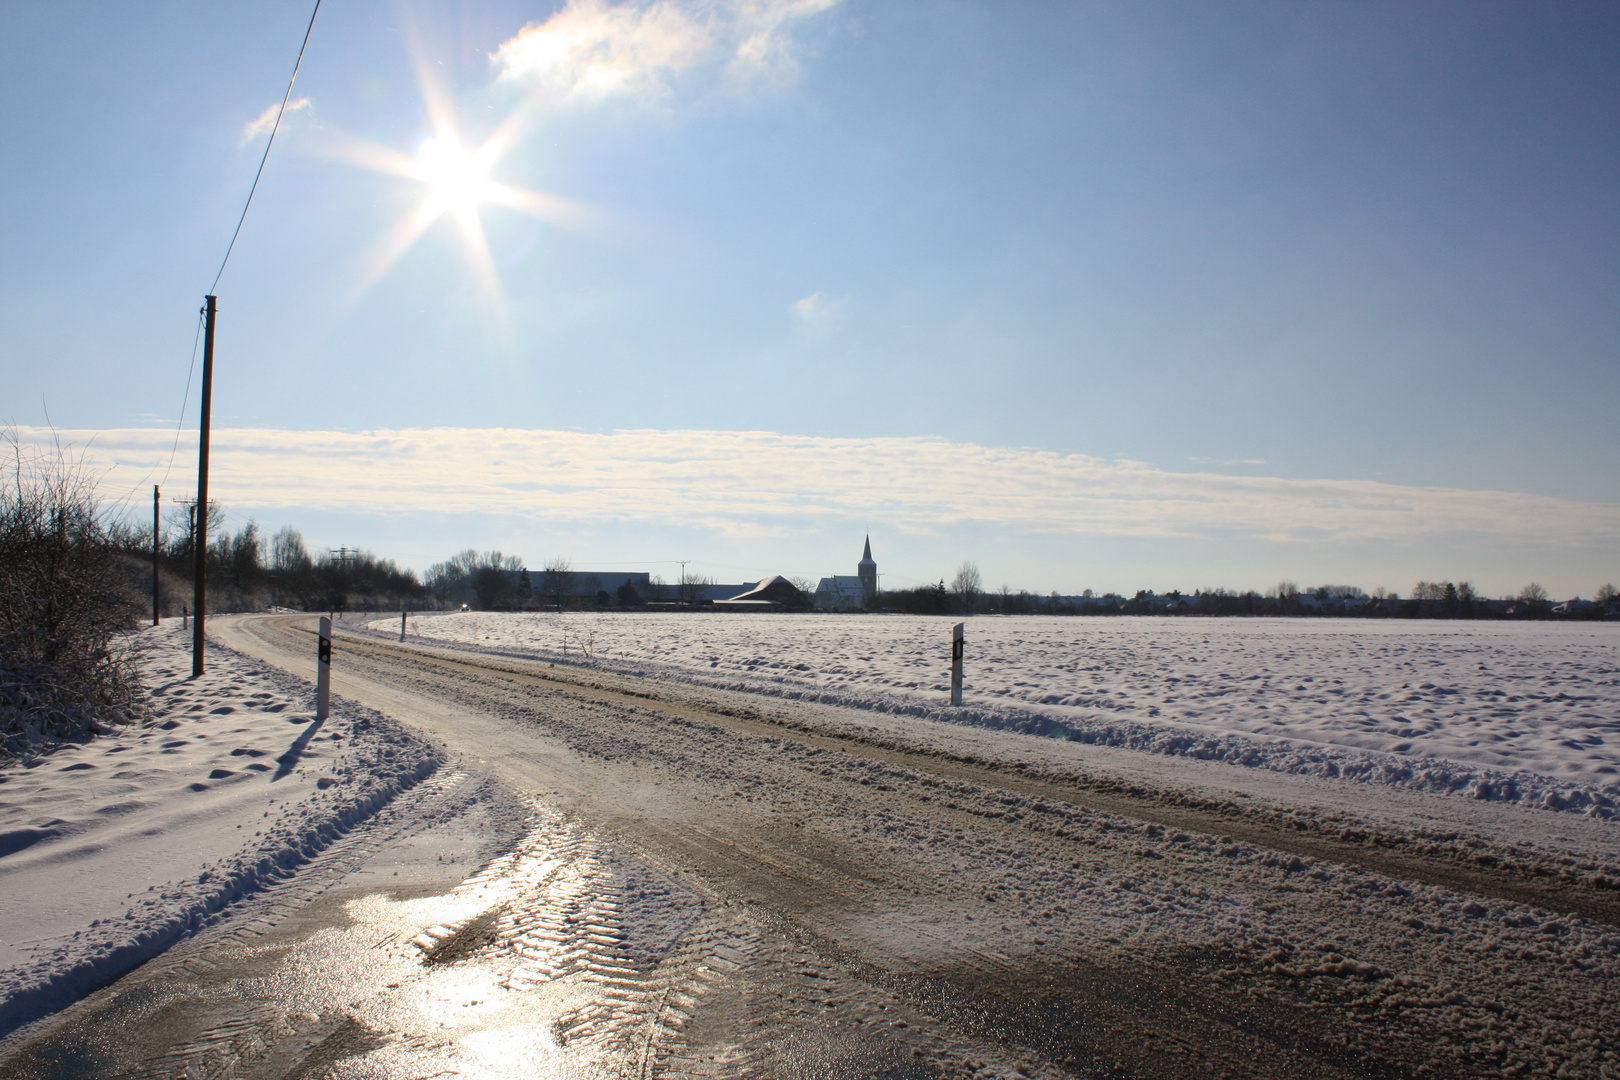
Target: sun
[
  {"x": 457, "y": 179},
  {"x": 459, "y": 185}
]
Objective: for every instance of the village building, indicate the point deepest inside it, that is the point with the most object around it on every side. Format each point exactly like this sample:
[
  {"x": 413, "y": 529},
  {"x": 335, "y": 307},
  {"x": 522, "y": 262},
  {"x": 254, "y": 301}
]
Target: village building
[
  {"x": 584, "y": 584},
  {"x": 843, "y": 592},
  {"x": 584, "y": 588},
  {"x": 775, "y": 593}
]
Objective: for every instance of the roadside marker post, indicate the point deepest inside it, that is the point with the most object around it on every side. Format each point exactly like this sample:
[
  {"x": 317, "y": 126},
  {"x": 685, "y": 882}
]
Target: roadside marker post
[
  {"x": 323, "y": 670},
  {"x": 956, "y": 664},
  {"x": 402, "y": 623}
]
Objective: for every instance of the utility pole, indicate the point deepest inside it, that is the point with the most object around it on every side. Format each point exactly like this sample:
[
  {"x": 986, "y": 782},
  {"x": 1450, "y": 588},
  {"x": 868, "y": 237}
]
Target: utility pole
[
  {"x": 157, "y": 546},
  {"x": 200, "y": 535}
]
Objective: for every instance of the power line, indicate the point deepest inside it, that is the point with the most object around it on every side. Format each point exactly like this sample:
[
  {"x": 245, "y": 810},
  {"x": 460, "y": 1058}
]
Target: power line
[
  {"x": 186, "y": 398},
  {"x": 273, "y": 129},
  {"x": 180, "y": 424}
]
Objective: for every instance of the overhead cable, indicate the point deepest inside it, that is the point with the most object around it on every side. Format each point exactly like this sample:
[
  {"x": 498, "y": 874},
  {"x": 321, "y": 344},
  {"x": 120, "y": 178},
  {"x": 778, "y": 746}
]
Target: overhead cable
[{"x": 271, "y": 142}]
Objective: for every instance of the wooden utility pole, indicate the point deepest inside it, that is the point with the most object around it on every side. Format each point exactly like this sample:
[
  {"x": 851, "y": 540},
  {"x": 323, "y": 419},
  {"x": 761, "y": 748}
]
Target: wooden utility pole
[
  {"x": 157, "y": 546},
  {"x": 200, "y": 534}
]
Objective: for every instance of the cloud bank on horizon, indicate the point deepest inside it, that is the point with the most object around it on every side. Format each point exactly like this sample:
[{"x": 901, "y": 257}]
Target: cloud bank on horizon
[{"x": 759, "y": 483}]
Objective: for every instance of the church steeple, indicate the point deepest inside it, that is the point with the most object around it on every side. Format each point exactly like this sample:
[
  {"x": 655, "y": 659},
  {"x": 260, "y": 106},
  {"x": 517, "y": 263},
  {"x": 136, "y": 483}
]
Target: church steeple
[{"x": 867, "y": 569}]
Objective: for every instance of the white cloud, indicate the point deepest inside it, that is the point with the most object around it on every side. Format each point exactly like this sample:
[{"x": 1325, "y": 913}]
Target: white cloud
[
  {"x": 267, "y": 119},
  {"x": 591, "y": 50},
  {"x": 760, "y": 482},
  {"x": 818, "y": 307}
]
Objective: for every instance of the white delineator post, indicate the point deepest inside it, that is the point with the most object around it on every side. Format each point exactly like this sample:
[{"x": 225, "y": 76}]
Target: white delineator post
[
  {"x": 956, "y": 664},
  {"x": 323, "y": 670}
]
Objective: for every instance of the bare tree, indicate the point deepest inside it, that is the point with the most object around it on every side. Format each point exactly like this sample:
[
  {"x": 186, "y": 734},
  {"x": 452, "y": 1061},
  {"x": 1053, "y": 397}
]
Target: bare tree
[
  {"x": 967, "y": 585},
  {"x": 557, "y": 580},
  {"x": 495, "y": 579},
  {"x": 183, "y": 524},
  {"x": 488, "y": 577},
  {"x": 1606, "y": 593},
  {"x": 694, "y": 588},
  {"x": 1443, "y": 591},
  {"x": 241, "y": 556},
  {"x": 288, "y": 555},
  {"x": 1533, "y": 594},
  {"x": 444, "y": 579}
]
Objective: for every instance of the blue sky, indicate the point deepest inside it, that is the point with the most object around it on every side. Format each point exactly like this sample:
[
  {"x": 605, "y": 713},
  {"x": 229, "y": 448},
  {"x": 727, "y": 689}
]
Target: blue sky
[{"x": 1288, "y": 244}]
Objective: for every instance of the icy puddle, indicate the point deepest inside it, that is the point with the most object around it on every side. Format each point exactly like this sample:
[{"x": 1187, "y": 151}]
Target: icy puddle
[{"x": 558, "y": 959}]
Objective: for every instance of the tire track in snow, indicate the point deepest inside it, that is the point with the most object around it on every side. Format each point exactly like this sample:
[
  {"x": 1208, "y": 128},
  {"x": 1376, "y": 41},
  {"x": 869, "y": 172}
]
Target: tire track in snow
[{"x": 674, "y": 989}]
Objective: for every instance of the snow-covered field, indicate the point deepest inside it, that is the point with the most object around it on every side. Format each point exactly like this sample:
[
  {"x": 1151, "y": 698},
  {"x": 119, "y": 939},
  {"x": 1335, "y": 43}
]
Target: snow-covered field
[
  {"x": 111, "y": 850},
  {"x": 1521, "y": 712}
]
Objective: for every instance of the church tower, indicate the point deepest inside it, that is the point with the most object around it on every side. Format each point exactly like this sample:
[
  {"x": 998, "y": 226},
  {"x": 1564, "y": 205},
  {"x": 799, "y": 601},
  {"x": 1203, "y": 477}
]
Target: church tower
[{"x": 867, "y": 569}]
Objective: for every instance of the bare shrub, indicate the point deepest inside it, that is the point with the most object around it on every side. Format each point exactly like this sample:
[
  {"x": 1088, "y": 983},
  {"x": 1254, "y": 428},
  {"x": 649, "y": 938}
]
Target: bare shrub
[{"x": 65, "y": 605}]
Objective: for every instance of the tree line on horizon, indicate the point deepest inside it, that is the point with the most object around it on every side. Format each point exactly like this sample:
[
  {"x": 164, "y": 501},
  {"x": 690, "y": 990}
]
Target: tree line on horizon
[
  {"x": 1428, "y": 600},
  {"x": 491, "y": 580},
  {"x": 250, "y": 572}
]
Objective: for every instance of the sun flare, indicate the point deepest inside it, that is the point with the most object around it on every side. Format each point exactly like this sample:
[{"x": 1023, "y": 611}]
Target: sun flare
[
  {"x": 457, "y": 179},
  {"x": 458, "y": 184}
]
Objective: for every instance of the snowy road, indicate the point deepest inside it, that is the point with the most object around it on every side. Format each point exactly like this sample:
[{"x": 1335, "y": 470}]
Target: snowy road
[{"x": 714, "y": 883}]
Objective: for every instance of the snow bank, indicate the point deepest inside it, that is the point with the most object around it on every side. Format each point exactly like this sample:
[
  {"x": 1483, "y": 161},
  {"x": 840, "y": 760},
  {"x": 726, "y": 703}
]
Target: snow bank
[
  {"x": 1523, "y": 713},
  {"x": 229, "y": 787}
]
